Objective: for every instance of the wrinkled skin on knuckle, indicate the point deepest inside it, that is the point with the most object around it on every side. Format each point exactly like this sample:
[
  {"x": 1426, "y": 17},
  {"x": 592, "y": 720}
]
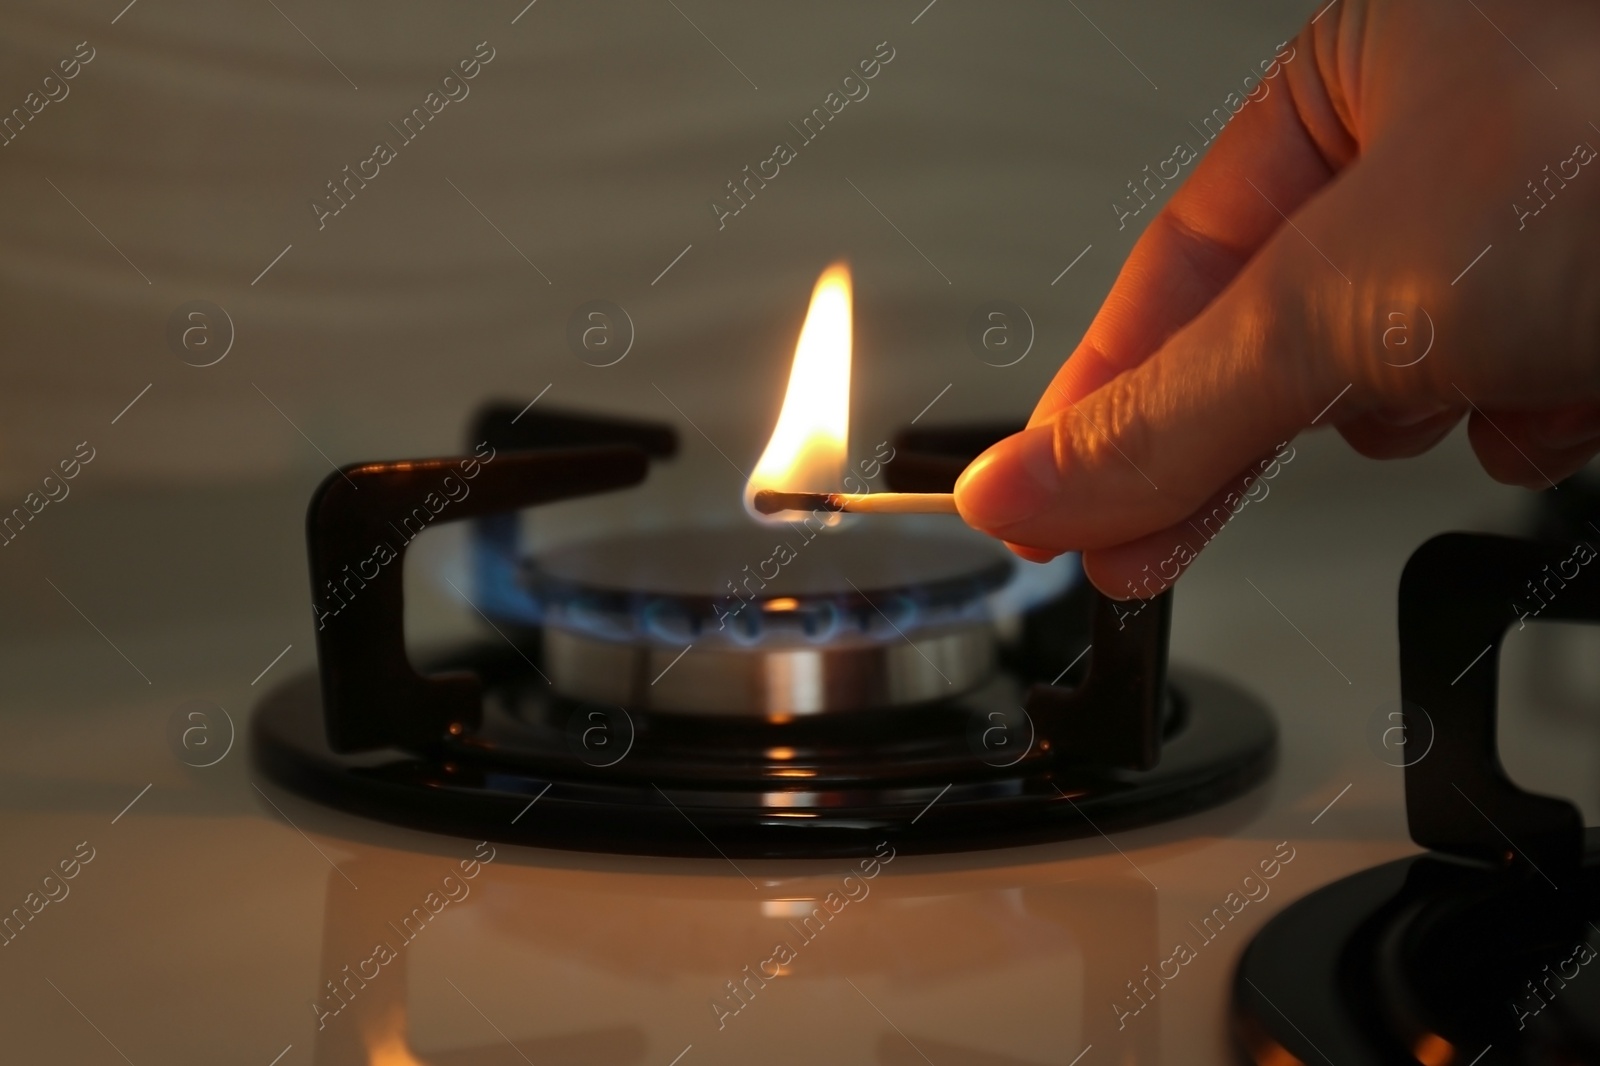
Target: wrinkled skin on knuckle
[
  {"x": 1108, "y": 434},
  {"x": 1080, "y": 449}
]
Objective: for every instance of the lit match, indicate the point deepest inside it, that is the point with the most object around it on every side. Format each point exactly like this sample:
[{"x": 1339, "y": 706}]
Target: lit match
[
  {"x": 770, "y": 501},
  {"x": 810, "y": 442}
]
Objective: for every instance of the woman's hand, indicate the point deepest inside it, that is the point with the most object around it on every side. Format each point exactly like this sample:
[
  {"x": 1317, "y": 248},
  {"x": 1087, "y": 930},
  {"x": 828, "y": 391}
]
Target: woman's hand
[{"x": 1326, "y": 263}]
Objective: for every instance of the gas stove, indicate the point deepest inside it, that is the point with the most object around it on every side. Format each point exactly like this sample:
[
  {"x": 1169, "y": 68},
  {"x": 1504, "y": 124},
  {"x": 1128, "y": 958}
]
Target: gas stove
[
  {"x": 799, "y": 692},
  {"x": 858, "y": 694},
  {"x": 282, "y": 924}
]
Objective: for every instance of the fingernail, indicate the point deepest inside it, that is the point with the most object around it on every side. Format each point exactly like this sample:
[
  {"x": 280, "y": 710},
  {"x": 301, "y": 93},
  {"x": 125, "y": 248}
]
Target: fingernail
[{"x": 1014, "y": 480}]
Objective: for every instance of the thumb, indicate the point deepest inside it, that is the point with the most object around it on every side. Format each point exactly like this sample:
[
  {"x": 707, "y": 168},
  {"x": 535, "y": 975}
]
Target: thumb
[{"x": 1146, "y": 450}]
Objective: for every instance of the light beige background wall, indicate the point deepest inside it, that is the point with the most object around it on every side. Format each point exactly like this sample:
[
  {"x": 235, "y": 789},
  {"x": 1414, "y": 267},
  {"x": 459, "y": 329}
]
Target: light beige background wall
[{"x": 996, "y": 140}]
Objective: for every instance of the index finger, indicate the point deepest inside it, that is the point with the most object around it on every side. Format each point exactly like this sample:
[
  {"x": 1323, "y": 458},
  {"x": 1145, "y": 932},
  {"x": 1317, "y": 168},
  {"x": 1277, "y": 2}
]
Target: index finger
[{"x": 1278, "y": 149}]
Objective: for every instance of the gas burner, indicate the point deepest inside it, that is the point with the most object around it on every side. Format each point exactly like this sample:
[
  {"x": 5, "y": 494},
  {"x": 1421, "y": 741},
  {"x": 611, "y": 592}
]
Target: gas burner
[
  {"x": 1477, "y": 951},
  {"x": 859, "y": 620},
  {"x": 645, "y": 693}
]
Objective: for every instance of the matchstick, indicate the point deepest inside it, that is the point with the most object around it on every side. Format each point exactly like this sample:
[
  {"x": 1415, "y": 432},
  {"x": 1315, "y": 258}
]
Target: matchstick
[{"x": 769, "y": 501}]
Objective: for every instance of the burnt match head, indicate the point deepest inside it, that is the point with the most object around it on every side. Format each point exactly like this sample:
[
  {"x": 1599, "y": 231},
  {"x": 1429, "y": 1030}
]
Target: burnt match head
[{"x": 770, "y": 501}]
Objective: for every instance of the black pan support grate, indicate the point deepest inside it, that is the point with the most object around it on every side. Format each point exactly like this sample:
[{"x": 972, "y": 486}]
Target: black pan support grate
[{"x": 1476, "y": 951}]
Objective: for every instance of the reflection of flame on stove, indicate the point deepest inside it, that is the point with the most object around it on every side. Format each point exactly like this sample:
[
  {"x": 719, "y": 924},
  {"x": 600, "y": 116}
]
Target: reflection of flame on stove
[
  {"x": 385, "y": 1039},
  {"x": 787, "y": 908},
  {"x": 811, "y": 440},
  {"x": 1431, "y": 1049}
]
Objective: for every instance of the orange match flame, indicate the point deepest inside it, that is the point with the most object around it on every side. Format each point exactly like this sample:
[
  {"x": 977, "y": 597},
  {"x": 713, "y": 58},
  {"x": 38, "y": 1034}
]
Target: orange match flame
[{"x": 810, "y": 443}]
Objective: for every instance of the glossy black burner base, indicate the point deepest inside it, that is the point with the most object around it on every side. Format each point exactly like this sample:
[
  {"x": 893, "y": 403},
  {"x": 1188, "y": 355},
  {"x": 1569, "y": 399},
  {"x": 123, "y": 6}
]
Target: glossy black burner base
[
  {"x": 1431, "y": 960},
  {"x": 550, "y": 772}
]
